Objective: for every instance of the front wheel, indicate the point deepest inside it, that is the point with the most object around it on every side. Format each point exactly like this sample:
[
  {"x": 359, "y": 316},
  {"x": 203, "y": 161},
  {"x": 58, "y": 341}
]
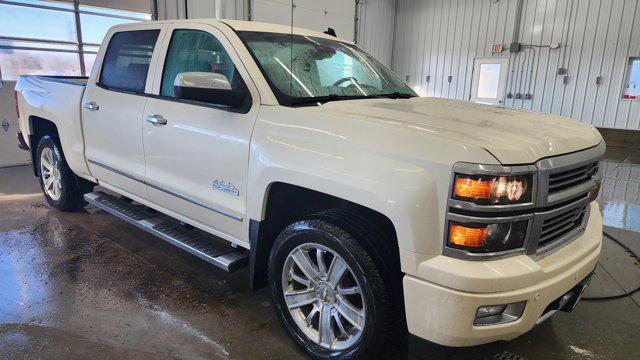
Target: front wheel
[
  {"x": 330, "y": 293},
  {"x": 59, "y": 184}
]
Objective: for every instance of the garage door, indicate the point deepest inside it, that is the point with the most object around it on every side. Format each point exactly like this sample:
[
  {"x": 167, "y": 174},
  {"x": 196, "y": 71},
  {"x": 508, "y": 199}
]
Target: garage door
[{"x": 310, "y": 14}]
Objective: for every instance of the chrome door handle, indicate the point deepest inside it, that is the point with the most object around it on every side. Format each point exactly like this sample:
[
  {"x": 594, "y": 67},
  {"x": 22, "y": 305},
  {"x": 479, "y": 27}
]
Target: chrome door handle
[
  {"x": 91, "y": 106},
  {"x": 155, "y": 119}
]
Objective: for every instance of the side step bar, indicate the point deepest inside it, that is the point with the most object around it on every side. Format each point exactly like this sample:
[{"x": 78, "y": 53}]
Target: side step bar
[{"x": 207, "y": 247}]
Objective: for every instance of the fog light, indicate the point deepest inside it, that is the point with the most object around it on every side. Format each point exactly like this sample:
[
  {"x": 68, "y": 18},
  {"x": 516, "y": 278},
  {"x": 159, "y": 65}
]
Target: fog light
[{"x": 499, "y": 314}]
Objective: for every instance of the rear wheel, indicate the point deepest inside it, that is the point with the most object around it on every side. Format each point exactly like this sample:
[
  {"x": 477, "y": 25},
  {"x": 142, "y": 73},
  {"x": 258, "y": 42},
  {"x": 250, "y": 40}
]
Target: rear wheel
[
  {"x": 59, "y": 184},
  {"x": 329, "y": 292}
]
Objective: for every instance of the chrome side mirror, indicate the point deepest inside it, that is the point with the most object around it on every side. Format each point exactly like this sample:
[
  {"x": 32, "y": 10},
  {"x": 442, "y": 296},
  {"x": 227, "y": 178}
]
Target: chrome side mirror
[
  {"x": 211, "y": 88},
  {"x": 202, "y": 80}
]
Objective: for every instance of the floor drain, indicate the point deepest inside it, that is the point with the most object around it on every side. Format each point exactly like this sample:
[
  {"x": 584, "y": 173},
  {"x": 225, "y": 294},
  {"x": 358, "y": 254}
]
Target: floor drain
[{"x": 505, "y": 355}]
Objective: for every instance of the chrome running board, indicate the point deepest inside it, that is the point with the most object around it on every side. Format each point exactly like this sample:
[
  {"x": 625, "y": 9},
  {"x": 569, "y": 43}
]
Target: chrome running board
[{"x": 207, "y": 247}]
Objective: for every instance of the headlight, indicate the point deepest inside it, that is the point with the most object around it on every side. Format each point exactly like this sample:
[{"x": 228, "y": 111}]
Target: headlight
[
  {"x": 492, "y": 190},
  {"x": 483, "y": 238}
]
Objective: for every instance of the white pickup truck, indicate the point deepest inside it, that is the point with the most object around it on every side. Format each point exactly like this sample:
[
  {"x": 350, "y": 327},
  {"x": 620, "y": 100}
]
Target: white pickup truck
[{"x": 368, "y": 210}]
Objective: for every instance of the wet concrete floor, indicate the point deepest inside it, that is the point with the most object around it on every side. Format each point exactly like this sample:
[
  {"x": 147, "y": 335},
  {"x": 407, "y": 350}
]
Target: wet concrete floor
[{"x": 87, "y": 285}]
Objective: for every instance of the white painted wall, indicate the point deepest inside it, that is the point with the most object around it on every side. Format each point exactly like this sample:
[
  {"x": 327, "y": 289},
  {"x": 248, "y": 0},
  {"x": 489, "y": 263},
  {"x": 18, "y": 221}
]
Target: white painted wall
[
  {"x": 310, "y": 14},
  {"x": 375, "y": 24},
  {"x": 440, "y": 38},
  {"x": 376, "y": 21},
  {"x": 200, "y": 9},
  {"x": 9, "y": 153}
]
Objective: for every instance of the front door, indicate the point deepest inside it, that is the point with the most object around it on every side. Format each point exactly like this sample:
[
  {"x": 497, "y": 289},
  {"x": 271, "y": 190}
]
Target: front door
[
  {"x": 489, "y": 80},
  {"x": 112, "y": 111},
  {"x": 197, "y": 150}
]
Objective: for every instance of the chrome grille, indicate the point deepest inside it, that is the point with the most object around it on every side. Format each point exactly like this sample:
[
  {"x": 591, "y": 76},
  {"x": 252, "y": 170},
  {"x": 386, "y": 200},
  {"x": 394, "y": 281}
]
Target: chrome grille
[
  {"x": 570, "y": 178},
  {"x": 558, "y": 226}
]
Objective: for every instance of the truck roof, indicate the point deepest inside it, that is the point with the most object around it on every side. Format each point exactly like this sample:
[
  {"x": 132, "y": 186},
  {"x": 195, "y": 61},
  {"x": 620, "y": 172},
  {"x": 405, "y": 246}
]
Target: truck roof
[{"x": 257, "y": 26}]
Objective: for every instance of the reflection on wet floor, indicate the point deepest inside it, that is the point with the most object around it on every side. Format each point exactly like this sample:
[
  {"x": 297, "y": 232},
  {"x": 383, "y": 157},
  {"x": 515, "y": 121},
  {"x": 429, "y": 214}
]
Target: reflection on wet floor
[
  {"x": 87, "y": 285},
  {"x": 620, "y": 193}
]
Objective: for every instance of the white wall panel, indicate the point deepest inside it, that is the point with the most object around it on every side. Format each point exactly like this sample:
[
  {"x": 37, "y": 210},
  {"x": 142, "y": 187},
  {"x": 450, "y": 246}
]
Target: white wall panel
[
  {"x": 200, "y": 9},
  {"x": 143, "y": 6},
  {"x": 440, "y": 38},
  {"x": 376, "y": 20},
  {"x": 311, "y": 14},
  {"x": 9, "y": 153}
]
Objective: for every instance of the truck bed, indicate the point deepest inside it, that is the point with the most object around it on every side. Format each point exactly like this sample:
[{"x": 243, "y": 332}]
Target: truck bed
[{"x": 57, "y": 99}]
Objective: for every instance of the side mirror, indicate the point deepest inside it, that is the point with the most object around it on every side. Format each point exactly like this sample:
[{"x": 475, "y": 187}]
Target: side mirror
[{"x": 206, "y": 87}]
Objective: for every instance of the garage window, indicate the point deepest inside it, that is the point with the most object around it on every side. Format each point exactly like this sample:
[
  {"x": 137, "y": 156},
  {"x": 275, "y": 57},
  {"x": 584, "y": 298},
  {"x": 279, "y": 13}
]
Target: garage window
[
  {"x": 53, "y": 47},
  {"x": 632, "y": 83}
]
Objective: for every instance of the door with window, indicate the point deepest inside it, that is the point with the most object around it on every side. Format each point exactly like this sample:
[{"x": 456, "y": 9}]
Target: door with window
[
  {"x": 197, "y": 129},
  {"x": 489, "y": 80},
  {"x": 112, "y": 110}
]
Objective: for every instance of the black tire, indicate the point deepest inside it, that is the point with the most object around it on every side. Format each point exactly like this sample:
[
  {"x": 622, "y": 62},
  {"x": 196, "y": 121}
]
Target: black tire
[
  {"x": 382, "y": 329},
  {"x": 70, "y": 198}
]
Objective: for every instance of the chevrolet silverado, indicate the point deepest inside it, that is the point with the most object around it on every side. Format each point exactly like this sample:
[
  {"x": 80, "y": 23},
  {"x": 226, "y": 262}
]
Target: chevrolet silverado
[{"x": 369, "y": 211}]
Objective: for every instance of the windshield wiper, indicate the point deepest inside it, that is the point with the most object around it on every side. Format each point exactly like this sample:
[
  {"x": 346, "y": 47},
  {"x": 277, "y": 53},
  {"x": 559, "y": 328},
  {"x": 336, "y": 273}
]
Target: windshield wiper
[
  {"x": 324, "y": 99},
  {"x": 334, "y": 97},
  {"x": 396, "y": 95}
]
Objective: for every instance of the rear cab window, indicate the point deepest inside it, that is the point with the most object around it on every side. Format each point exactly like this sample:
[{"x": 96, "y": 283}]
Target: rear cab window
[{"x": 126, "y": 60}]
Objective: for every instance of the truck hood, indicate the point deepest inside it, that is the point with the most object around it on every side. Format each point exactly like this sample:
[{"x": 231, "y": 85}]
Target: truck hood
[{"x": 511, "y": 136}]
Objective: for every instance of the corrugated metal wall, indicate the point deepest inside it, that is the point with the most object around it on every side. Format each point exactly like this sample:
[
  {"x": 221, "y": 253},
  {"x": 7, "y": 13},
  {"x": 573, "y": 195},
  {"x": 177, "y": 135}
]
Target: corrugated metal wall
[
  {"x": 375, "y": 25},
  {"x": 376, "y": 19},
  {"x": 440, "y": 38},
  {"x": 200, "y": 9}
]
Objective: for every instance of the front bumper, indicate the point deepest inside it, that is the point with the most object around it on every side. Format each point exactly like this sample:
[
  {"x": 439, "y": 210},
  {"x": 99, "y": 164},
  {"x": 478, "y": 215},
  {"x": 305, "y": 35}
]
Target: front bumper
[{"x": 441, "y": 308}]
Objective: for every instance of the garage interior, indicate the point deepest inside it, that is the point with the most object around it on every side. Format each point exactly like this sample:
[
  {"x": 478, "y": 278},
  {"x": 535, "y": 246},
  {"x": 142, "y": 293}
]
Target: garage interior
[{"x": 88, "y": 285}]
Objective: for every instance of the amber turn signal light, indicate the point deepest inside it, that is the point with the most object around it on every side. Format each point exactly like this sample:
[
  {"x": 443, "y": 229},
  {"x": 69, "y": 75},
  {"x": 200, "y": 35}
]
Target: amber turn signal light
[
  {"x": 467, "y": 236},
  {"x": 472, "y": 188},
  {"x": 491, "y": 190}
]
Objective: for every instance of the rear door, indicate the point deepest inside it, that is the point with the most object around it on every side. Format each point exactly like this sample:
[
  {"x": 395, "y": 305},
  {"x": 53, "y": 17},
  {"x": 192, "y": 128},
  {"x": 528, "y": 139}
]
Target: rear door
[
  {"x": 197, "y": 155},
  {"x": 113, "y": 105}
]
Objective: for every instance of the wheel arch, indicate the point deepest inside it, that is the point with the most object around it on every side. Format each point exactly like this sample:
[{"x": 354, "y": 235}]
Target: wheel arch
[
  {"x": 39, "y": 127},
  {"x": 286, "y": 203}
]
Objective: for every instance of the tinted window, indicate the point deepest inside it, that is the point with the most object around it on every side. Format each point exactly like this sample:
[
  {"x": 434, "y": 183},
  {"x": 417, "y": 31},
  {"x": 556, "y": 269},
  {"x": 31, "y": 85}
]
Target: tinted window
[
  {"x": 126, "y": 61},
  {"x": 199, "y": 51}
]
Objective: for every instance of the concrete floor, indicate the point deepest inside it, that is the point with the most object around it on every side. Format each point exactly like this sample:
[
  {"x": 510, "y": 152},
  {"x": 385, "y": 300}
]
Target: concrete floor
[{"x": 87, "y": 285}]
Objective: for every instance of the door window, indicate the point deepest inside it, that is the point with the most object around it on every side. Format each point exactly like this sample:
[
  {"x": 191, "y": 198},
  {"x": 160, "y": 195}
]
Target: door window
[
  {"x": 632, "y": 85},
  {"x": 126, "y": 61},
  {"x": 200, "y": 52},
  {"x": 489, "y": 80}
]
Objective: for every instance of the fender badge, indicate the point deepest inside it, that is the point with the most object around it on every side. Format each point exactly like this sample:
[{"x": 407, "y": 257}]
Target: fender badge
[{"x": 225, "y": 187}]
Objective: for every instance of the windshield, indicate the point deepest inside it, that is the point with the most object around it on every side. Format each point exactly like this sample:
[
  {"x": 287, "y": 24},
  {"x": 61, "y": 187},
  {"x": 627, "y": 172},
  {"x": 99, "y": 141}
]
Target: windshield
[{"x": 307, "y": 70}]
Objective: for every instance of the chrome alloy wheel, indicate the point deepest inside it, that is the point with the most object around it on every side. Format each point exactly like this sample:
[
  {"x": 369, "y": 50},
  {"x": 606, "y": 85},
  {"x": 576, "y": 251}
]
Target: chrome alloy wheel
[
  {"x": 50, "y": 172},
  {"x": 324, "y": 298}
]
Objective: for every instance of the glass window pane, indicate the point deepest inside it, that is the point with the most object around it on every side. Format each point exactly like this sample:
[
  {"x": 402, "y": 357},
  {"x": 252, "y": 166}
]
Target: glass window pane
[
  {"x": 106, "y": 11},
  {"x": 488, "y": 81},
  {"x": 195, "y": 51},
  {"x": 301, "y": 67},
  {"x": 95, "y": 27},
  {"x": 89, "y": 60},
  {"x": 632, "y": 90},
  {"x": 30, "y": 44},
  {"x": 127, "y": 59},
  {"x": 18, "y": 21},
  {"x": 34, "y": 62},
  {"x": 200, "y": 52},
  {"x": 55, "y": 4}
]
